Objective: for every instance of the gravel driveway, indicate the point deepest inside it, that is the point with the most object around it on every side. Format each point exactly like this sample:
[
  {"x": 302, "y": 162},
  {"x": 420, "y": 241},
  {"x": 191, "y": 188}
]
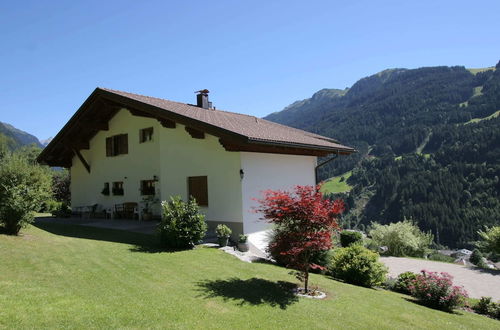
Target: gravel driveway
[{"x": 477, "y": 282}]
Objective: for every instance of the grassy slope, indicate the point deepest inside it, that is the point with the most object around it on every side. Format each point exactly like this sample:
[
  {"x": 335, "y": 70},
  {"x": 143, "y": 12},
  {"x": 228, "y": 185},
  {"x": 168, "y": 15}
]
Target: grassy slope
[
  {"x": 334, "y": 185},
  {"x": 477, "y": 120},
  {"x": 56, "y": 277},
  {"x": 477, "y": 70}
]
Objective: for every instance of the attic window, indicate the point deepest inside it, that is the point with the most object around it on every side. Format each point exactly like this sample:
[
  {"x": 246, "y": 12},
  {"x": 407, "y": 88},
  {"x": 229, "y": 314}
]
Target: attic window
[
  {"x": 146, "y": 134},
  {"x": 198, "y": 188},
  {"x": 117, "y": 145}
]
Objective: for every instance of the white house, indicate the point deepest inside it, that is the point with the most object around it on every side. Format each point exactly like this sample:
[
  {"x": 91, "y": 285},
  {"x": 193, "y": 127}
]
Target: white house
[{"x": 121, "y": 146}]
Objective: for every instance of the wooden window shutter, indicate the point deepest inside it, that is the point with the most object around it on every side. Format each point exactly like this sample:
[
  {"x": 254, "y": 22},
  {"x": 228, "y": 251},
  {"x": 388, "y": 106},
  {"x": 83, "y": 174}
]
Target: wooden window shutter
[
  {"x": 109, "y": 147},
  {"x": 198, "y": 188},
  {"x": 124, "y": 144}
]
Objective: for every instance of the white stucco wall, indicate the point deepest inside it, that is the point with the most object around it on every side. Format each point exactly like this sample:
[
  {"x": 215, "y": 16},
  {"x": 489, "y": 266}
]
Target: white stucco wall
[
  {"x": 270, "y": 171},
  {"x": 141, "y": 163},
  {"x": 182, "y": 156},
  {"x": 172, "y": 156}
]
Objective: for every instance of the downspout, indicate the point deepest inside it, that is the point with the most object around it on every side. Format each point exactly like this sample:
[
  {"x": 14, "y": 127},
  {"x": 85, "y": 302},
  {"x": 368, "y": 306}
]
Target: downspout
[{"x": 322, "y": 164}]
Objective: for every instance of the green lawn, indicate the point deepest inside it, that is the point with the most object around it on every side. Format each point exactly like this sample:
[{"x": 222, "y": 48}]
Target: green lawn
[
  {"x": 59, "y": 276},
  {"x": 335, "y": 185}
]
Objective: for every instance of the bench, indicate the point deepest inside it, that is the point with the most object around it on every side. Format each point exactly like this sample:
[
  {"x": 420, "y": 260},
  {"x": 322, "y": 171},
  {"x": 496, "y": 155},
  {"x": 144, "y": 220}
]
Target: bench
[{"x": 127, "y": 210}]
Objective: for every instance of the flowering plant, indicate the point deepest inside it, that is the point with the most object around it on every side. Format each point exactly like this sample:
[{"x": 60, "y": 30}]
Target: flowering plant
[{"x": 436, "y": 290}]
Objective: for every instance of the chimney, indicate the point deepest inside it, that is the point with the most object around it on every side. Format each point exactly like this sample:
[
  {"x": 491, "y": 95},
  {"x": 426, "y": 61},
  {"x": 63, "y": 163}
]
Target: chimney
[{"x": 202, "y": 99}]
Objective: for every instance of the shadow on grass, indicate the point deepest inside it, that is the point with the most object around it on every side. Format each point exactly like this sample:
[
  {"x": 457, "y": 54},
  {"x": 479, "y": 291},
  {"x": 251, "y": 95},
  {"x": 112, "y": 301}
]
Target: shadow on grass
[
  {"x": 141, "y": 242},
  {"x": 418, "y": 302},
  {"x": 254, "y": 291}
]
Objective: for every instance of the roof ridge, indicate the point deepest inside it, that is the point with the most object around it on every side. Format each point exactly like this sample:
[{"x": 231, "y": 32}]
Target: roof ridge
[
  {"x": 187, "y": 104},
  {"x": 229, "y": 112}
]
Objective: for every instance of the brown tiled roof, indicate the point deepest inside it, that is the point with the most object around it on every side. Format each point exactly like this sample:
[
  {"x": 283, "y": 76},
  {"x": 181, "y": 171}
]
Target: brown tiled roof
[
  {"x": 254, "y": 128},
  {"x": 236, "y": 132}
]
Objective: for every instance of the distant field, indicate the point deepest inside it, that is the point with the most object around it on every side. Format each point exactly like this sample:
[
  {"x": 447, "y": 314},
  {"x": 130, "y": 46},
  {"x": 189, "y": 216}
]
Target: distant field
[
  {"x": 426, "y": 156},
  {"x": 335, "y": 185},
  {"x": 476, "y": 120},
  {"x": 477, "y": 70}
]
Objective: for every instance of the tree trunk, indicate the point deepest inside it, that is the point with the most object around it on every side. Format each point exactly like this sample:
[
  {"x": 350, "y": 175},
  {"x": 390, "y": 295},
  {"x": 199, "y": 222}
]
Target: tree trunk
[{"x": 306, "y": 280}]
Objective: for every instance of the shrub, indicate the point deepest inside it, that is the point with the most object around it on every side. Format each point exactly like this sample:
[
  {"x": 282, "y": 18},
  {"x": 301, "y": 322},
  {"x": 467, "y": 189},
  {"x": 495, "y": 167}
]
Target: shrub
[
  {"x": 23, "y": 189},
  {"x": 62, "y": 211},
  {"x": 304, "y": 221},
  {"x": 483, "y": 305},
  {"x": 401, "y": 238},
  {"x": 357, "y": 265},
  {"x": 50, "y": 206},
  {"x": 223, "y": 231},
  {"x": 490, "y": 240},
  {"x": 242, "y": 238},
  {"x": 436, "y": 290},
  {"x": 348, "y": 237},
  {"x": 436, "y": 256},
  {"x": 182, "y": 224},
  {"x": 403, "y": 282},
  {"x": 476, "y": 257},
  {"x": 61, "y": 186}
]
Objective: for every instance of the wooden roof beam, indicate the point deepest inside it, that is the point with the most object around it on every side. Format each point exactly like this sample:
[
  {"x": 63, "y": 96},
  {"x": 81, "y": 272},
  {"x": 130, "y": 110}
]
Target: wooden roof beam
[
  {"x": 167, "y": 123},
  {"x": 84, "y": 162},
  {"x": 195, "y": 134}
]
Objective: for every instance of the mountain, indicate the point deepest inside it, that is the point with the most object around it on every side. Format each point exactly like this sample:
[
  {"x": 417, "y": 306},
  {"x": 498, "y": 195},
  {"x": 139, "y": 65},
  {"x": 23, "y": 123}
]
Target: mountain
[
  {"x": 428, "y": 142},
  {"x": 45, "y": 142},
  {"x": 19, "y": 137}
]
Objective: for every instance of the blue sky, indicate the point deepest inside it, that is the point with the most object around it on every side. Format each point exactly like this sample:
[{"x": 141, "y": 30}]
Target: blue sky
[{"x": 255, "y": 57}]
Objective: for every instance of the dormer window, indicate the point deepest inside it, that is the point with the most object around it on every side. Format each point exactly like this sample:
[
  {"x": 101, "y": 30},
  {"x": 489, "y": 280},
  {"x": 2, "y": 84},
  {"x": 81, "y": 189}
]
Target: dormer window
[{"x": 146, "y": 134}]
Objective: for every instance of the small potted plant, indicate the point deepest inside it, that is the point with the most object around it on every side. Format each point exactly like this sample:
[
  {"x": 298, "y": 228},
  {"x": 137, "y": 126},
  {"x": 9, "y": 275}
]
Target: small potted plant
[
  {"x": 223, "y": 232},
  {"x": 243, "y": 243},
  {"x": 147, "y": 209}
]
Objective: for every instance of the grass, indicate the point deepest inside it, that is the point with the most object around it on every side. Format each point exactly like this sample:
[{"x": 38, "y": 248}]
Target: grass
[
  {"x": 336, "y": 184},
  {"x": 477, "y": 120},
  {"x": 57, "y": 276},
  {"x": 425, "y": 155},
  {"x": 477, "y": 70}
]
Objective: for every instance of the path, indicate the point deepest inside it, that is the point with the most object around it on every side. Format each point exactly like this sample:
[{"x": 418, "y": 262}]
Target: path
[{"x": 477, "y": 282}]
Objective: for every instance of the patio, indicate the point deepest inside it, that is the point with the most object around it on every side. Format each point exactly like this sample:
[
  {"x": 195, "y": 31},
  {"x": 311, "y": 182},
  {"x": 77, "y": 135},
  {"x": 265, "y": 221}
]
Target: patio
[{"x": 143, "y": 227}]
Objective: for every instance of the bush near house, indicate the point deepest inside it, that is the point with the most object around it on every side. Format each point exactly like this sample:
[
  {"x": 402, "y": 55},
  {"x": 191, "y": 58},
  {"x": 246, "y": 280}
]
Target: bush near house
[
  {"x": 436, "y": 290},
  {"x": 348, "y": 237},
  {"x": 24, "y": 187},
  {"x": 182, "y": 225},
  {"x": 401, "y": 238},
  {"x": 357, "y": 265}
]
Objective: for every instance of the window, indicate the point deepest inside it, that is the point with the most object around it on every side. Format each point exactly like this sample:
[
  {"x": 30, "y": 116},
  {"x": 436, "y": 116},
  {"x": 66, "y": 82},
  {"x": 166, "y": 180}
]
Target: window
[
  {"x": 147, "y": 187},
  {"x": 146, "y": 134},
  {"x": 118, "y": 188},
  {"x": 105, "y": 190},
  {"x": 117, "y": 145},
  {"x": 198, "y": 188}
]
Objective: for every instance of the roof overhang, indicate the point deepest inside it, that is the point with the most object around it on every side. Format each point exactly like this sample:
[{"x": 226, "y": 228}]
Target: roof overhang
[{"x": 95, "y": 113}]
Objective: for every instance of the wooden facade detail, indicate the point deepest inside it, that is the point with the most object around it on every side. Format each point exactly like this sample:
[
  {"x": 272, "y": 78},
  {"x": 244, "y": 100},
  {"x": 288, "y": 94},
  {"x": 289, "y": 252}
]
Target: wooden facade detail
[
  {"x": 195, "y": 134},
  {"x": 84, "y": 162}
]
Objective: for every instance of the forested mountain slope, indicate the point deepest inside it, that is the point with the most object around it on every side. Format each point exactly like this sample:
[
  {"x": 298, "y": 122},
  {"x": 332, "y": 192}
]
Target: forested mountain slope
[
  {"x": 18, "y": 137},
  {"x": 429, "y": 147}
]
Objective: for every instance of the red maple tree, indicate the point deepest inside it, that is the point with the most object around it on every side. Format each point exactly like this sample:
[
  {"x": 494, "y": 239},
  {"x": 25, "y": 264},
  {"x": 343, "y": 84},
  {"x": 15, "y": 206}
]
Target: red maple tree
[{"x": 304, "y": 222}]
